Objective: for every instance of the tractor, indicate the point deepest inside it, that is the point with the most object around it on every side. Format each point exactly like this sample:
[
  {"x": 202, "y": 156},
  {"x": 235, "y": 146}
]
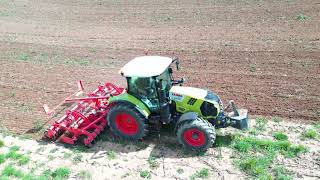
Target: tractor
[{"x": 152, "y": 98}]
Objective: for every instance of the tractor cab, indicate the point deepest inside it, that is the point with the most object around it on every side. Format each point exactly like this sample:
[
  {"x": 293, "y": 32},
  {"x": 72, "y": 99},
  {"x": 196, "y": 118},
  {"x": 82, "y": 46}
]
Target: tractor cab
[{"x": 149, "y": 78}]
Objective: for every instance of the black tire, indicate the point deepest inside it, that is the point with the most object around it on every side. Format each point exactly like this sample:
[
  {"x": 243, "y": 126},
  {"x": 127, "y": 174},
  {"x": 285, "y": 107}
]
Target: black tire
[
  {"x": 121, "y": 115},
  {"x": 196, "y": 135}
]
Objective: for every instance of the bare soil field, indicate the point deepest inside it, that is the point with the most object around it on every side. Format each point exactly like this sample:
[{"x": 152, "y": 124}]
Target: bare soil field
[{"x": 263, "y": 54}]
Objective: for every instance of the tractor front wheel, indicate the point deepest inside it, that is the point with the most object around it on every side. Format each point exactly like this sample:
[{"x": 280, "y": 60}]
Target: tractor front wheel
[
  {"x": 196, "y": 135},
  {"x": 127, "y": 122}
]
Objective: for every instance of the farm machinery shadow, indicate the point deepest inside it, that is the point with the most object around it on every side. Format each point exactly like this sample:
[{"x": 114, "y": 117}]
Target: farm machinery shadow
[{"x": 163, "y": 144}]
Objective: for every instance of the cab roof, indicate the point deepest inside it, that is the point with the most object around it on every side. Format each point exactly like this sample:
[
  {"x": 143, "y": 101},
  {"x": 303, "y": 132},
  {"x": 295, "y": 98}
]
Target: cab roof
[{"x": 146, "y": 66}]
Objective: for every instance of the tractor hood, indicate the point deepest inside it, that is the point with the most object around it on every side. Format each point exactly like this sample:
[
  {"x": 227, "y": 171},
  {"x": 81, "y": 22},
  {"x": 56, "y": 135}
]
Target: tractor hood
[{"x": 178, "y": 93}]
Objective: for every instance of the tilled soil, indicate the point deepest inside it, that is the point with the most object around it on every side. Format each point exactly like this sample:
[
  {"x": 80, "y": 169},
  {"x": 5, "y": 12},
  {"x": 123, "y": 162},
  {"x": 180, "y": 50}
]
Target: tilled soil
[{"x": 263, "y": 54}]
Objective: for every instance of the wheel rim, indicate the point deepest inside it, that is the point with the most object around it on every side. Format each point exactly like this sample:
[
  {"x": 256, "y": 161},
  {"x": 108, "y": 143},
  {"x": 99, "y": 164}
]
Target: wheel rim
[
  {"x": 194, "y": 137},
  {"x": 127, "y": 124}
]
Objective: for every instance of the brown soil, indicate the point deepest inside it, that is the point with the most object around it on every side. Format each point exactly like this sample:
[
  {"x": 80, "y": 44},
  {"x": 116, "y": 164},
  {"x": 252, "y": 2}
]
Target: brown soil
[{"x": 256, "y": 52}]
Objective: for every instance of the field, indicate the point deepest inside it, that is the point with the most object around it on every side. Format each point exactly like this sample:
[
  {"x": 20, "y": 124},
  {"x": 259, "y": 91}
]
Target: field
[{"x": 263, "y": 54}]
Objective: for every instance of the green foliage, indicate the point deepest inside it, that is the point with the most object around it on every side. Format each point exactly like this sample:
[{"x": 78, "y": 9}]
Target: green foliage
[
  {"x": 31, "y": 177},
  {"x": 203, "y": 173},
  {"x": 54, "y": 150},
  {"x": 180, "y": 171},
  {"x": 281, "y": 173},
  {"x": 253, "y": 67},
  {"x": 261, "y": 123},
  {"x": 13, "y": 155},
  {"x": 14, "y": 148},
  {"x": 80, "y": 149},
  {"x": 242, "y": 146},
  {"x": 257, "y": 155},
  {"x": 316, "y": 125},
  {"x": 77, "y": 158},
  {"x": 24, "y": 160},
  {"x": 277, "y": 119},
  {"x": 223, "y": 141},
  {"x": 77, "y": 61},
  {"x": 67, "y": 155},
  {"x": 93, "y": 50},
  {"x": 125, "y": 175},
  {"x": 263, "y": 145},
  {"x": 38, "y": 125},
  {"x": 61, "y": 173},
  {"x": 111, "y": 155},
  {"x": 10, "y": 170},
  {"x": 1, "y": 143},
  {"x": 2, "y": 158},
  {"x": 47, "y": 173},
  {"x": 24, "y": 57},
  {"x": 295, "y": 150},
  {"x": 152, "y": 160},
  {"x": 256, "y": 165},
  {"x": 85, "y": 175},
  {"x": 310, "y": 134},
  {"x": 280, "y": 136},
  {"x": 50, "y": 157},
  {"x": 145, "y": 174},
  {"x": 302, "y": 17}
]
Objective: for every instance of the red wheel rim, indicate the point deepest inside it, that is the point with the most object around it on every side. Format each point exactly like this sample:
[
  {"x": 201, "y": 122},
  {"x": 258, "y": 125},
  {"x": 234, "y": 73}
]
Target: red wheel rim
[
  {"x": 127, "y": 124},
  {"x": 194, "y": 137}
]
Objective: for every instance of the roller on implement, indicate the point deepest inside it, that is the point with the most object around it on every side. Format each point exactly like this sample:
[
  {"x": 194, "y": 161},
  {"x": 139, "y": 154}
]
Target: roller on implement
[{"x": 152, "y": 98}]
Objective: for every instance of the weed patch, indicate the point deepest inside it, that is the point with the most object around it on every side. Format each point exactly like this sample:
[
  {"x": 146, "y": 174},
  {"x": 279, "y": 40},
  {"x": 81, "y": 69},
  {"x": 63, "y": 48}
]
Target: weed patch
[
  {"x": 145, "y": 174},
  {"x": 85, "y": 175},
  {"x": 277, "y": 119},
  {"x": 257, "y": 155},
  {"x": 10, "y": 170},
  {"x": 261, "y": 124},
  {"x": 280, "y": 136},
  {"x": 256, "y": 165},
  {"x": 13, "y": 155},
  {"x": 24, "y": 57},
  {"x": 153, "y": 163},
  {"x": 2, "y": 158},
  {"x": 310, "y": 134},
  {"x": 253, "y": 67},
  {"x": 77, "y": 158},
  {"x": 61, "y": 173},
  {"x": 14, "y": 148},
  {"x": 1, "y": 143},
  {"x": 203, "y": 173},
  {"x": 24, "y": 160},
  {"x": 111, "y": 155},
  {"x": 281, "y": 173},
  {"x": 302, "y": 17}
]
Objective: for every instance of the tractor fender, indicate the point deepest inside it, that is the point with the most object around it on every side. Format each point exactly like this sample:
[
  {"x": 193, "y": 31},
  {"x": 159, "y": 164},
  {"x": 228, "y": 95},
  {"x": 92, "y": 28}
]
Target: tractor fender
[
  {"x": 131, "y": 100},
  {"x": 184, "y": 118}
]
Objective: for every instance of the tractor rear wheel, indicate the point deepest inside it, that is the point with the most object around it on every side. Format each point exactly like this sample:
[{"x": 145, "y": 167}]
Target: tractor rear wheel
[
  {"x": 127, "y": 122},
  {"x": 196, "y": 135}
]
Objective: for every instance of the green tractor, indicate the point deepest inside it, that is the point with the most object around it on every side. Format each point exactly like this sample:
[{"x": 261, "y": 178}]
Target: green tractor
[{"x": 154, "y": 97}]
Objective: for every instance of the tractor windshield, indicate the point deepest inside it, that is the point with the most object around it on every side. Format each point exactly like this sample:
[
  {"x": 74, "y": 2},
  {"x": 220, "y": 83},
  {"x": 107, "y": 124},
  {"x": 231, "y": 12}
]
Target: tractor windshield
[
  {"x": 144, "y": 88},
  {"x": 166, "y": 80}
]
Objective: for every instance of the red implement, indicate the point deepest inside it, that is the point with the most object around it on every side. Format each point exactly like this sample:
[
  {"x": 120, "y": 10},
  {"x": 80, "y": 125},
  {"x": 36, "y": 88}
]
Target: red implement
[{"x": 85, "y": 120}]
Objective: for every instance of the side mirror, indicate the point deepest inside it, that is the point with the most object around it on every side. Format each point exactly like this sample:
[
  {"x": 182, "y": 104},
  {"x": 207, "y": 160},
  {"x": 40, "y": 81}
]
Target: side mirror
[
  {"x": 170, "y": 70},
  {"x": 177, "y": 63}
]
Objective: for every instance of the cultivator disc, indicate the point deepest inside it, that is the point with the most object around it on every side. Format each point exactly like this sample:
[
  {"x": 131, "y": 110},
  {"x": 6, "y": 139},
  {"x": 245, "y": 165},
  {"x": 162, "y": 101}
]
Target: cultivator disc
[{"x": 85, "y": 119}]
